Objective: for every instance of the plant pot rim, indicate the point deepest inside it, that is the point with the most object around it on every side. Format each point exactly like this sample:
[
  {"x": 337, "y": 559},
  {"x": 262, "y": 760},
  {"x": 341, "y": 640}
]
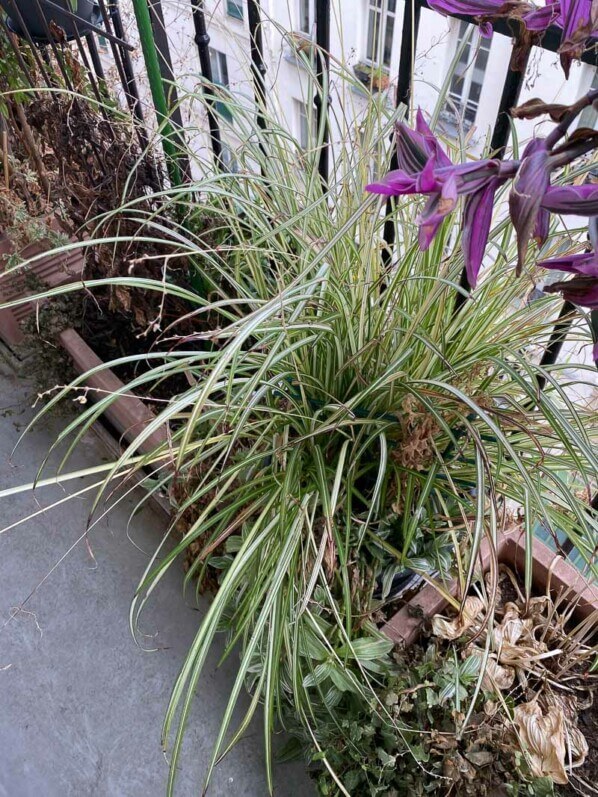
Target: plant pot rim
[{"x": 548, "y": 568}]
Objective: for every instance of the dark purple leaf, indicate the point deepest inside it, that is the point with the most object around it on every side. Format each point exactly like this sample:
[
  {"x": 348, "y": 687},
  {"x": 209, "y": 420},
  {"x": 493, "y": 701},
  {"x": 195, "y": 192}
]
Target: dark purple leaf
[
  {"x": 529, "y": 187},
  {"x": 573, "y": 200},
  {"x": 477, "y": 217}
]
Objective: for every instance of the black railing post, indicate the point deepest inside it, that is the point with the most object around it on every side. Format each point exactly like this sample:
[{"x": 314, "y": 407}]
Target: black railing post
[
  {"x": 122, "y": 58},
  {"x": 322, "y": 98},
  {"x": 168, "y": 81},
  {"x": 509, "y": 99},
  {"x": 411, "y": 18},
  {"x": 409, "y": 33},
  {"x": 258, "y": 66},
  {"x": 202, "y": 39},
  {"x": 95, "y": 57},
  {"x": 556, "y": 340}
]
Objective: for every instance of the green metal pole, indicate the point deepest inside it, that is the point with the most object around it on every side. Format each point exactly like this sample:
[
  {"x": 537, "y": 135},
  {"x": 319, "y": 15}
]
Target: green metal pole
[{"x": 152, "y": 66}]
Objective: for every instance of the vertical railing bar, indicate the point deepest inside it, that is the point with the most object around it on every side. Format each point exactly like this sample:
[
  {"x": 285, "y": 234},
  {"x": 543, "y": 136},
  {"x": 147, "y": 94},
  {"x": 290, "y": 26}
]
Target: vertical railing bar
[
  {"x": 411, "y": 19},
  {"x": 95, "y": 57},
  {"x": 409, "y": 35},
  {"x": 557, "y": 338},
  {"x": 18, "y": 55},
  {"x": 90, "y": 73},
  {"x": 258, "y": 66},
  {"x": 52, "y": 44},
  {"x": 323, "y": 80},
  {"x": 124, "y": 65},
  {"x": 509, "y": 99},
  {"x": 168, "y": 81},
  {"x": 202, "y": 40}
]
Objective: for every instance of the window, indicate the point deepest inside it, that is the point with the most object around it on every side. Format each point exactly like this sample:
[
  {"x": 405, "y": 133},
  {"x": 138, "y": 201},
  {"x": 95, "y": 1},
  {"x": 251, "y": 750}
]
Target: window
[
  {"x": 229, "y": 160},
  {"x": 306, "y": 124},
  {"x": 381, "y": 25},
  {"x": 220, "y": 78},
  {"x": 589, "y": 115},
  {"x": 219, "y": 67},
  {"x": 234, "y": 8},
  {"x": 306, "y": 17},
  {"x": 466, "y": 83}
]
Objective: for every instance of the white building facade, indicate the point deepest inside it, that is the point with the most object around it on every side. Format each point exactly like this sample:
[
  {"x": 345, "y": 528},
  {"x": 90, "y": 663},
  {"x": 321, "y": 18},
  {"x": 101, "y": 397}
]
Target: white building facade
[{"x": 365, "y": 37}]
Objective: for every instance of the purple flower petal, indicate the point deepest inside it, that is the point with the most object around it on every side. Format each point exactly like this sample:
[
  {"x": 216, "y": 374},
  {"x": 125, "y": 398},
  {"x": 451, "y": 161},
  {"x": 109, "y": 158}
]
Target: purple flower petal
[
  {"x": 542, "y": 226},
  {"x": 468, "y": 8},
  {"x": 436, "y": 210},
  {"x": 395, "y": 183},
  {"x": 577, "y": 28},
  {"x": 574, "y": 200},
  {"x": 585, "y": 263},
  {"x": 477, "y": 218},
  {"x": 580, "y": 290},
  {"x": 526, "y": 195},
  {"x": 431, "y": 143},
  {"x": 541, "y": 18}
]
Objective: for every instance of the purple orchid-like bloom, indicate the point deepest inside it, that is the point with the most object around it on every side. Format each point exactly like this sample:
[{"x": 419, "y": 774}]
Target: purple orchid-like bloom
[
  {"x": 424, "y": 168},
  {"x": 478, "y": 9},
  {"x": 529, "y": 218},
  {"x": 572, "y": 200},
  {"x": 539, "y": 19},
  {"x": 578, "y": 20},
  {"x": 582, "y": 290}
]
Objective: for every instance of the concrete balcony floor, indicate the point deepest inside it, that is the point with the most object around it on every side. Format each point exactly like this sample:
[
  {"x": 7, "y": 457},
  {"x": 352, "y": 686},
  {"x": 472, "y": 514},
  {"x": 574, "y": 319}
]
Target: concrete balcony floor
[{"x": 81, "y": 703}]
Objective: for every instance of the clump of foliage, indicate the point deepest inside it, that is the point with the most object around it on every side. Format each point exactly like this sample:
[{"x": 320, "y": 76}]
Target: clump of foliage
[{"x": 339, "y": 423}]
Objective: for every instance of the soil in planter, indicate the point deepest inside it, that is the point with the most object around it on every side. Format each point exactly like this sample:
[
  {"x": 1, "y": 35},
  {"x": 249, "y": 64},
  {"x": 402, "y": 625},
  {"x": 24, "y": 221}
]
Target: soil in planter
[
  {"x": 588, "y": 725},
  {"x": 431, "y": 690}
]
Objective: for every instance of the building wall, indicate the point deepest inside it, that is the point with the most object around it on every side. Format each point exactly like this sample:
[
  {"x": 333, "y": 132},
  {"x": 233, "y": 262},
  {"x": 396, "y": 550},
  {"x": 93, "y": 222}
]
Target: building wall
[{"x": 289, "y": 83}]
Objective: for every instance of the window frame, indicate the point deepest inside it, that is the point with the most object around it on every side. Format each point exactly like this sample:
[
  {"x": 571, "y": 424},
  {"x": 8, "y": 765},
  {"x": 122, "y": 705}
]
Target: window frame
[
  {"x": 589, "y": 115},
  {"x": 461, "y": 102},
  {"x": 217, "y": 56},
  {"x": 306, "y": 9},
  {"x": 303, "y": 118},
  {"x": 235, "y": 9},
  {"x": 379, "y": 8}
]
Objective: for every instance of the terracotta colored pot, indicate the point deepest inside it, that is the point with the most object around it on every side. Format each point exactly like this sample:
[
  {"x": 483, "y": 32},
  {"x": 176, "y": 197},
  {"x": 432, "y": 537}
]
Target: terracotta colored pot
[
  {"x": 52, "y": 271},
  {"x": 129, "y": 415},
  {"x": 548, "y": 569}
]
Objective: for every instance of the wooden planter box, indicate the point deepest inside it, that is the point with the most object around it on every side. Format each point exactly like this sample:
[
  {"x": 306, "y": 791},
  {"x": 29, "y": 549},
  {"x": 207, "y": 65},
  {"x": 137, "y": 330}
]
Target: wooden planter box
[
  {"x": 128, "y": 415},
  {"x": 548, "y": 569},
  {"x": 51, "y": 271}
]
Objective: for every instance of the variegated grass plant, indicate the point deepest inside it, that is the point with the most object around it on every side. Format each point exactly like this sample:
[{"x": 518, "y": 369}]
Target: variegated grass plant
[{"x": 342, "y": 422}]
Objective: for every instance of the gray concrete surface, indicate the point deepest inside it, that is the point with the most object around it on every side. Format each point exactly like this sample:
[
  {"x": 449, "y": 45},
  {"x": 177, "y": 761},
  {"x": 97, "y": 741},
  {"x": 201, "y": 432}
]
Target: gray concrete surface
[{"x": 81, "y": 704}]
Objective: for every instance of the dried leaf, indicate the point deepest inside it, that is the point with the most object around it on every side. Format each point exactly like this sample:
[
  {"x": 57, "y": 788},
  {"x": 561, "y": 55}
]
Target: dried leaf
[
  {"x": 482, "y": 758},
  {"x": 542, "y": 738},
  {"x": 453, "y": 629},
  {"x": 537, "y": 107},
  {"x": 497, "y": 677}
]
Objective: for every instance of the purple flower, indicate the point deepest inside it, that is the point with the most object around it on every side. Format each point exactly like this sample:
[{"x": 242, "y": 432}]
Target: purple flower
[
  {"x": 583, "y": 288},
  {"x": 542, "y": 18},
  {"x": 573, "y": 200},
  {"x": 424, "y": 168},
  {"x": 525, "y": 199},
  {"x": 578, "y": 26},
  {"x": 478, "y": 9}
]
